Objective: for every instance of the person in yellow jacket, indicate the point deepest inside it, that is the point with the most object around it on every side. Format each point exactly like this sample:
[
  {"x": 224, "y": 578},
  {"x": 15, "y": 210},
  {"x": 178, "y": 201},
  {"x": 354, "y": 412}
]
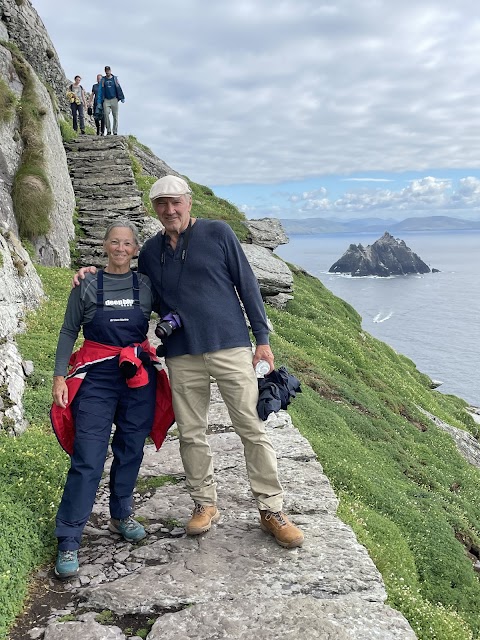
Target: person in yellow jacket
[{"x": 78, "y": 103}]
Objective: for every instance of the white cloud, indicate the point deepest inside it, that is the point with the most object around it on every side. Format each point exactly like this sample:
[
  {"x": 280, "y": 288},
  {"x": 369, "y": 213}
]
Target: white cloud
[
  {"x": 255, "y": 91},
  {"x": 421, "y": 197}
]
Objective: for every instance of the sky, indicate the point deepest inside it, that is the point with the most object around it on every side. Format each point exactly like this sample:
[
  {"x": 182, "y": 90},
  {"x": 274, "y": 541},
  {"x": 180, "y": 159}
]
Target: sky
[{"x": 295, "y": 108}]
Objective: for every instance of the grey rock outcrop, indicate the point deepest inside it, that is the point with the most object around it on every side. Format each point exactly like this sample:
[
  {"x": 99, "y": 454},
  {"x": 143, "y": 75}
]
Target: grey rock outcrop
[
  {"x": 467, "y": 445},
  {"x": 272, "y": 273},
  {"x": 20, "y": 290},
  {"x": 233, "y": 582},
  {"x": 53, "y": 249},
  {"x": 11, "y": 146},
  {"x": 25, "y": 28},
  {"x": 387, "y": 256},
  {"x": 266, "y": 232},
  {"x": 20, "y": 287},
  {"x": 151, "y": 164}
]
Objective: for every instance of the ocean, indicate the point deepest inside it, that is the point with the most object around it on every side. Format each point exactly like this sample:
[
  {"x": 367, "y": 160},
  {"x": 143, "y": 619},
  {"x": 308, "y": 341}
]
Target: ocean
[{"x": 434, "y": 318}]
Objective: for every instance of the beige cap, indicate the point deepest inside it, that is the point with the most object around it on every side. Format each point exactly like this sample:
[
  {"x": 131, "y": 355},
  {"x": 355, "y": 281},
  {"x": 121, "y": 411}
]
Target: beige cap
[{"x": 169, "y": 187}]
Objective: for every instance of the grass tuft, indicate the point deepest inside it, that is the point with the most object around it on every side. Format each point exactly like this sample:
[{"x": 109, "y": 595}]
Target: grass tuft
[
  {"x": 8, "y": 102},
  {"x": 32, "y": 194}
]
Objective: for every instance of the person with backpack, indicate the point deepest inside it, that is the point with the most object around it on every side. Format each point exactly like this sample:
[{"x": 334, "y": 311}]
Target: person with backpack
[
  {"x": 109, "y": 94},
  {"x": 78, "y": 102}
]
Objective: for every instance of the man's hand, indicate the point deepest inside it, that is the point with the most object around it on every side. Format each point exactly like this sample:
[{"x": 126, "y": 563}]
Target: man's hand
[
  {"x": 263, "y": 352},
  {"x": 122, "y": 101},
  {"x": 80, "y": 275},
  {"x": 60, "y": 391}
]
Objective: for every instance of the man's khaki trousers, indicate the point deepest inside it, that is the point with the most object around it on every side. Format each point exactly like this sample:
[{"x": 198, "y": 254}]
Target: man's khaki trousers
[
  {"x": 111, "y": 105},
  {"x": 190, "y": 381}
]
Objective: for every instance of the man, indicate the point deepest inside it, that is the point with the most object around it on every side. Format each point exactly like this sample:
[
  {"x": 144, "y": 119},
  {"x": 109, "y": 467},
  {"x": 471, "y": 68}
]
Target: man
[
  {"x": 97, "y": 113},
  {"x": 109, "y": 93},
  {"x": 197, "y": 267},
  {"x": 78, "y": 103}
]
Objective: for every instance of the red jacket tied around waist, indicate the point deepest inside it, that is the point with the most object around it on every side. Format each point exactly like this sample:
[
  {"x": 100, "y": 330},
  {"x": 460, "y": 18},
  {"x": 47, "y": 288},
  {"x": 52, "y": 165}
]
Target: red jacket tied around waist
[{"x": 91, "y": 353}]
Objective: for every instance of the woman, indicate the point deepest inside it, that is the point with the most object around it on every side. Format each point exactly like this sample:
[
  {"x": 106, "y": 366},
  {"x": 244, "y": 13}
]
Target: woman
[
  {"x": 111, "y": 380},
  {"x": 78, "y": 103}
]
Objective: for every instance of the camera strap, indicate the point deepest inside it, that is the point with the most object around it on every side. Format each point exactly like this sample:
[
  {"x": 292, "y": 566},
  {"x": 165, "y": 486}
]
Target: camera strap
[{"x": 183, "y": 256}]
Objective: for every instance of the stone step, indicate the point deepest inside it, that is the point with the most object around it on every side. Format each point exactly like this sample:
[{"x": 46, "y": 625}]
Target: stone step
[
  {"x": 110, "y": 189},
  {"x": 101, "y": 169},
  {"x": 76, "y": 159},
  {"x": 96, "y": 204},
  {"x": 96, "y": 142},
  {"x": 103, "y": 217}
]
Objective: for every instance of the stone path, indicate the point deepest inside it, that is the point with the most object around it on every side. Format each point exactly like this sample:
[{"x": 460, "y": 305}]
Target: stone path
[
  {"x": 233, "y": 582},
  {"x": 101, "y": 171}
]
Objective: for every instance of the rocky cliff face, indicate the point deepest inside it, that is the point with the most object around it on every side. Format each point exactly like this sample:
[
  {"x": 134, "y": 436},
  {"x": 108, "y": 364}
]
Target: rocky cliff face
[
  {"x": 20, "y": 23},
  {"x": 387, "y": 256},
  {"x": 21, "y": 26},
  {"x": 20, "y": 286}
]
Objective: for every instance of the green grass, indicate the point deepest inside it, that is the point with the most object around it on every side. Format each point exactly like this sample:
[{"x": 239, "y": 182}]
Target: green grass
[
  {"x": 32, "y": 466},
  {"x": 31, "y": 192},
  {"x": 67, "y": 130},
  {"x": 150, "y": 483},
  {"x": 105, "y": 617},
  {"x": 393, "y": 470},
  {"x": 8, "y": 102},
  {"x": 144, "y": 183}
]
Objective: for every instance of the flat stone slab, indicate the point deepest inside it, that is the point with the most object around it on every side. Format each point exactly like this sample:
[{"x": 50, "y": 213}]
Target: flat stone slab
[
  {"x": 303, "y": 618},
  {"x": 236, "y": 559},
  {"x": 84, "y": 629}
]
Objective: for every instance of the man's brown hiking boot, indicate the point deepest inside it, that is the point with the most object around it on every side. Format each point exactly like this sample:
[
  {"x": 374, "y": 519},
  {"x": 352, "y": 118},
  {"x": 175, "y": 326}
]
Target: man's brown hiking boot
[
  {"x": 279, "y": 526},
  {"x": 202, "y": 518}
]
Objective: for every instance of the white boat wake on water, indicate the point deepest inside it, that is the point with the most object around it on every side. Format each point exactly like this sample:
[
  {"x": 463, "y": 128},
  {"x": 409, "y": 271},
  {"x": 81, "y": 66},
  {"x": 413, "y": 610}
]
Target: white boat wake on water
[{"x": 378, "y": 318}]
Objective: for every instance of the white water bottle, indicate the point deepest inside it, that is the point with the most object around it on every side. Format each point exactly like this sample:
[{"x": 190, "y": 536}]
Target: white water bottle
[{"x": 262, "y": 368}]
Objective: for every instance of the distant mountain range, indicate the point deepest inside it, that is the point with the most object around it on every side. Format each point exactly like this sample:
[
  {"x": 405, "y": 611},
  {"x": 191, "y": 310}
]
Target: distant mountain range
[{"x": 305, "y": 226}]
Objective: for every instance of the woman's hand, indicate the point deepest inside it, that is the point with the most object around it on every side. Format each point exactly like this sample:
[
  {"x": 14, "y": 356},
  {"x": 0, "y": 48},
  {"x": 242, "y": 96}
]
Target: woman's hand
[{"x": 60, "y": 391}]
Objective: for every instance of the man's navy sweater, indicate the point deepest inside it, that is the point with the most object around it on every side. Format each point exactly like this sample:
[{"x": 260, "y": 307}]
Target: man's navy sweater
[{"x": 204, "y": 290}]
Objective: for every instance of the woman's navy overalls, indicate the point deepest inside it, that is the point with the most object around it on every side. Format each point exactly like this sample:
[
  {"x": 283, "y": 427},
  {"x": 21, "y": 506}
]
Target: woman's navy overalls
[{"x": 104, "y": 398}]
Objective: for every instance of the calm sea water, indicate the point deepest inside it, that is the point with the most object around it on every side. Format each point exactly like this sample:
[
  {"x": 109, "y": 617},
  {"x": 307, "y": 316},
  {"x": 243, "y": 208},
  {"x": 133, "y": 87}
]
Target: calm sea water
[{"x": 434, "y": 319}]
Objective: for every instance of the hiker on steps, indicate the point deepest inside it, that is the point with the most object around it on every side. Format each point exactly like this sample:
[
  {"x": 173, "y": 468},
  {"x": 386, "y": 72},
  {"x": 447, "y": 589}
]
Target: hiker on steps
[
  {"x": 78, "y": 102},
  {"x": 115, "y": 377},
  {"x": 95, "y": 111},
  {"x": 109, "y": 93},
  {"x": 199, "y": 271}
]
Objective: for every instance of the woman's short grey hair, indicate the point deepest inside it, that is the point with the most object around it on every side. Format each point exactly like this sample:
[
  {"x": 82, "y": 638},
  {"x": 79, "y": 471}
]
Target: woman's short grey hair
[{"x": 123, "y": 224}]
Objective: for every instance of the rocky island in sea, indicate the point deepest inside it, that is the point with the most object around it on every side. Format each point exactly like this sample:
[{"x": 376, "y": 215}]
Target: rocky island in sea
[{"x": 387, "y": 256}]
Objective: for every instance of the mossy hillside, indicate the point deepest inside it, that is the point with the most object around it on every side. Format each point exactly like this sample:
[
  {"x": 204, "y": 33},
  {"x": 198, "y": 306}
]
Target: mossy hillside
[
  {"x": 31, "y": 193},
  {"x": 205, "y": 203},
  {"x": 405, "y": 490}
]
